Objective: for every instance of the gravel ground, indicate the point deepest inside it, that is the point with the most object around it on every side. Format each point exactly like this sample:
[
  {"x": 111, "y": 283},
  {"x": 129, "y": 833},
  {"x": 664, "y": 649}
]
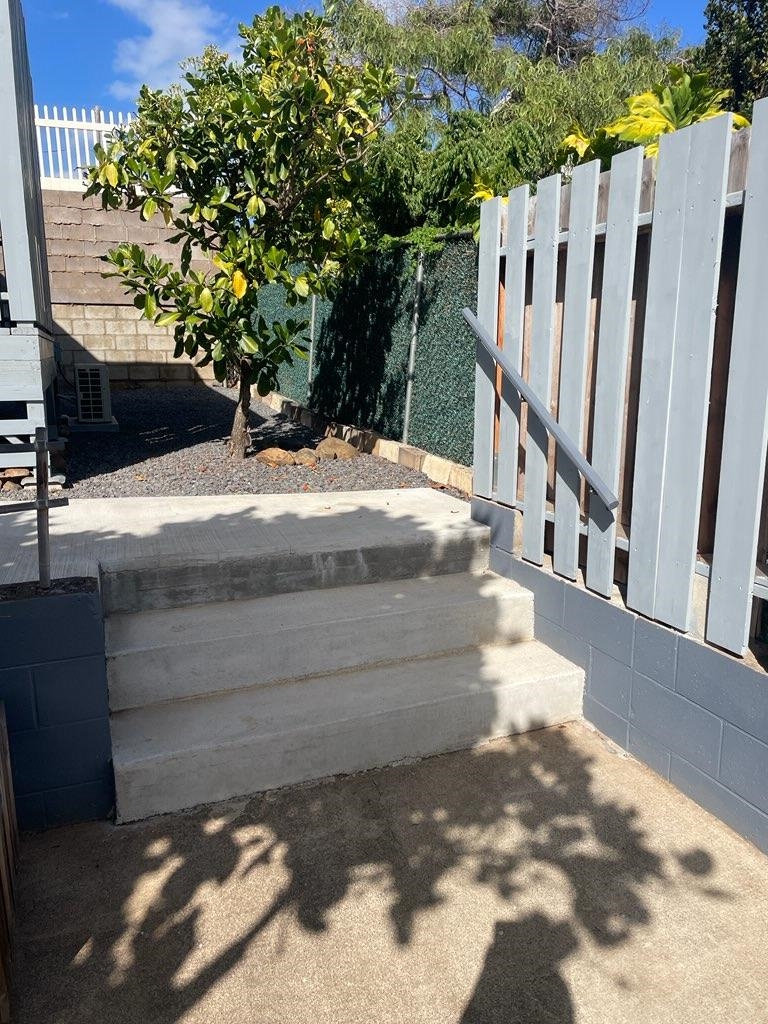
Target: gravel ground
[{"x": 172, "y": 442}]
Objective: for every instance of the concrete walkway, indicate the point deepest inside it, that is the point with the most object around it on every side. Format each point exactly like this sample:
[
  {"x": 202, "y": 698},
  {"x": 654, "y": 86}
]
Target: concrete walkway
[
  {"x": 133, "y": 532},
  {"x": 540, "y": 880}
]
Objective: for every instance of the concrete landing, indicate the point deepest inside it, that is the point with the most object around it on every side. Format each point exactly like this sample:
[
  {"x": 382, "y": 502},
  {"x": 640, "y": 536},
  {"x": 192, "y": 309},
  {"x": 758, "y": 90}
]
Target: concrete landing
[
  {"x": 242, "y": 535},
  {"x": 540, "y": 880}
]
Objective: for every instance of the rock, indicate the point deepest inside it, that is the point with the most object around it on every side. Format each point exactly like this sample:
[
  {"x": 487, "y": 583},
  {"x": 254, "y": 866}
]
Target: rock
[
  {"x": 14, "y": 473},
  {"x": 11, "y": 485},
  {"x": 275, "y": 457},
  {"x": 305, "y": 457},
  {"x": 335, "y": 448}
]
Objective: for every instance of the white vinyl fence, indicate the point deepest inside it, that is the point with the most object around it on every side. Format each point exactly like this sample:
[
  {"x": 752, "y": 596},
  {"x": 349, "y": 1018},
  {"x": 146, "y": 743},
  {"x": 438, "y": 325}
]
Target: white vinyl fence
[
  {"x": 65, "y": 141},
  {"x": 632, "y": 306}
]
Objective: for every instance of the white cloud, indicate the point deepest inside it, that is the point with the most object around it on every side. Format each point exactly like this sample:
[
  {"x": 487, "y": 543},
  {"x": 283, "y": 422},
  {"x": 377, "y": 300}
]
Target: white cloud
[{"x": 174, "y": 30}]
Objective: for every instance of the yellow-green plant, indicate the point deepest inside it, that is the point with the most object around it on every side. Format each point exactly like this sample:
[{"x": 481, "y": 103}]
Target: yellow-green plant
[
  {"x": 686, "y": 99},
  {"x": 258, "y": 165}
]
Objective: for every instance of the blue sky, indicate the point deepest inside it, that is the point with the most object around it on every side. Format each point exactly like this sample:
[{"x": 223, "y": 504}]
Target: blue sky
[{"x": 97, "y": 52}]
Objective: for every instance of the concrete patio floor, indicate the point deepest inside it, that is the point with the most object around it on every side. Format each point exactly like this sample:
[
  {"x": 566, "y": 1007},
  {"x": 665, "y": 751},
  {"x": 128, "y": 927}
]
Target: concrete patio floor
[{"x": 541, "y": 879}]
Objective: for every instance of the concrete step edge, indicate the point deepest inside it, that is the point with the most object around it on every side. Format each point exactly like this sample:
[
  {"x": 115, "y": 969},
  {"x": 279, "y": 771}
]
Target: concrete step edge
[
  {"x": 559, "y": 669},
  {"x": 305, "y": 680},
  {"x": 117, "y": 646},
  {"x": 186, "y": 580}
]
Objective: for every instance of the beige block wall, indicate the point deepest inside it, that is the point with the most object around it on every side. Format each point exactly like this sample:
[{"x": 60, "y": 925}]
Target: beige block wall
[{"x": 94, "y": 320}]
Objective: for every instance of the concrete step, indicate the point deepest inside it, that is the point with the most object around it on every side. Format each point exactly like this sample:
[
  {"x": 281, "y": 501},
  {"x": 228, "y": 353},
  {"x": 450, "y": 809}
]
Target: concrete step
[
  {"x": 171, "y": 756},
  {"x": 179, "y": 552},
  {"x": 172, "y": 654}
]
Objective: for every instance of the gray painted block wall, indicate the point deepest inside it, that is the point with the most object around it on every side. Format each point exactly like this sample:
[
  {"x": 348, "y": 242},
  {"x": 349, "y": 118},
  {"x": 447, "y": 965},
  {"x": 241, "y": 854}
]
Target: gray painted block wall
[
  {"x": 694, "y": 715},
  {"x": 54, "y": 684}
]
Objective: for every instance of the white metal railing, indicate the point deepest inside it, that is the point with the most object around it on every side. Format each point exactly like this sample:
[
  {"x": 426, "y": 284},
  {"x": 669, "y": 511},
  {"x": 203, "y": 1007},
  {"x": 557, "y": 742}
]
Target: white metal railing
[{"x": 65, "y": 141}]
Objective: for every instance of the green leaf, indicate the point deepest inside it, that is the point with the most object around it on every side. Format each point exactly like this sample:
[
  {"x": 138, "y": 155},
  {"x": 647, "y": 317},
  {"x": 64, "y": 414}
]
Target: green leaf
[
  {"x": 301, "y": 286},
  {"x": 150, "y": 306},
  {"x": 149, "y": 209},
  {"x": 329, "y": 227},
  {"x": 166, "y": 319},
  {"x": 206, "y": 300},
  {"x": 111, "y": 174}
]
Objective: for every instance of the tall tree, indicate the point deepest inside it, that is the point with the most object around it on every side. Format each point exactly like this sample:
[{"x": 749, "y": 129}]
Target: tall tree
[
  {"x": 259, "y": 165},
  {"x": 566, "y": 31},
  {"x": 735, "y": 52}
]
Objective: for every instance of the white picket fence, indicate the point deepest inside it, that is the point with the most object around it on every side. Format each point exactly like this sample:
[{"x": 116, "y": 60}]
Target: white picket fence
[
  {"x": 65, "y": 141},
  {"x": 634, "y": 304}
]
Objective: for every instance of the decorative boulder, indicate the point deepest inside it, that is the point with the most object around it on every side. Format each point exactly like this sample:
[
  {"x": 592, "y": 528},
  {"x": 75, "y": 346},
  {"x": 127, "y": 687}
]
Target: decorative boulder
[
  {"x": 335, "y": 448},
  {"x": 275, "y": 457},
  {"x": 14, "y": 473},
  {"x": 305, "y": 457}
]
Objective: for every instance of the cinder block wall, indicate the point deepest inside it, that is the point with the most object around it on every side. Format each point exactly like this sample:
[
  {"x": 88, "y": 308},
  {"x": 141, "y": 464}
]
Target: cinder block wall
[
  {"x": 53, "y": 680},
  {"x": 696, "y": 716},
  {"x": 94, "y": 320}
]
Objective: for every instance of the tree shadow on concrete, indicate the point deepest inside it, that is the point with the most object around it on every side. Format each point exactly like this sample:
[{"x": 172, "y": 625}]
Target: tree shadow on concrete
[{"x": 278, "y": 907}]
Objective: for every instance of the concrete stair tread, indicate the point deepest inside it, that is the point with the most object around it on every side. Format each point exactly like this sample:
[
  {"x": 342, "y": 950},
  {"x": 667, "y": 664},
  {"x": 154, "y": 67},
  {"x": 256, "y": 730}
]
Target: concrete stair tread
[
  {"x": 222, "y": 620},
  {"x": 244, "y": 716},
  {"x": 168, "y": 553}
]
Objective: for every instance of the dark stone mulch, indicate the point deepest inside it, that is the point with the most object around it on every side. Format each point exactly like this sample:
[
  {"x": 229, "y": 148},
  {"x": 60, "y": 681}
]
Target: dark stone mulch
[{"x": 172, "y": 441}]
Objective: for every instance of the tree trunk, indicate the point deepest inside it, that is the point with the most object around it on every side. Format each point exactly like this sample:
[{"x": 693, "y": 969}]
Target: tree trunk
[{"x": 239, "y": 439}]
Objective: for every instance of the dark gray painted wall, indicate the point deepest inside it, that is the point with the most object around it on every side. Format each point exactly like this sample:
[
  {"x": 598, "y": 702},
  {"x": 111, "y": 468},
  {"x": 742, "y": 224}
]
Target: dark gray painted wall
[
  {"x": 54, "y": 684},
  {"x": 696, "y": 716}
]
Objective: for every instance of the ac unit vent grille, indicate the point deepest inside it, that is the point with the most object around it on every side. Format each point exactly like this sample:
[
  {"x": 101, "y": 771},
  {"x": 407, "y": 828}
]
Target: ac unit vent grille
[{"x": 93, "y": 401}]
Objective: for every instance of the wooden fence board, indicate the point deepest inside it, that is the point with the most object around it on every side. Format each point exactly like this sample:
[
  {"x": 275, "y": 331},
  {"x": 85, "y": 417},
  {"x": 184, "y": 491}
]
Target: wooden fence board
[
  {"x": 691, "y": 370},
  {"x": 745, "y": 432},
  {"x": 540, "y": 374},
  {"x": 612, "y": 355},
  {"x": 514, "y": 321},
  {"x": 658, "y": 340},
  {"x": 485, "y": 367},
  {"x": 21, "y": 209},
  {"x": 577, "y": 316}
]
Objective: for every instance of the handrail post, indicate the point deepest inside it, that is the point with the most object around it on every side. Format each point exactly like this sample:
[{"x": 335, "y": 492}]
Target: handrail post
[{"x": 41, "y": 486}]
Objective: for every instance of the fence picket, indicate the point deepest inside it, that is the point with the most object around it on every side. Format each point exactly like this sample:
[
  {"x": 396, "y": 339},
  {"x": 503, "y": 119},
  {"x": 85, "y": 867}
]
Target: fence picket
[
  {"x": 547, "y": 230},
  {"x": 514, "y": 320},
  {"x": 658, "y": 341},
  {"x": 691, "y": 370},
  {"x": 612, "y": 353},
  {"x": 745, "y": 434},
  {"x": 573, "y": 360},
  {"x": 485, "y": 367}
]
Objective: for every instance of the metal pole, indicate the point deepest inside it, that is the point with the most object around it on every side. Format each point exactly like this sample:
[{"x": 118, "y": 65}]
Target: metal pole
[
  {"x": 43, "y": 538},
  {"x": 311, "y": 360},
  {"x": 412, "y": 348}
]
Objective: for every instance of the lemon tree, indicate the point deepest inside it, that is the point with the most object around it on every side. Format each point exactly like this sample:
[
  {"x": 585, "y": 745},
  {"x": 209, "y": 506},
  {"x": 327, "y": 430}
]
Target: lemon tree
[{"x": 257, "y": 165}]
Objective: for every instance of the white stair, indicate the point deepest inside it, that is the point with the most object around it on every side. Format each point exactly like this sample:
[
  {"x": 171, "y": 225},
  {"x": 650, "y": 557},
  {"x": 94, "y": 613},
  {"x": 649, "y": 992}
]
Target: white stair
[
  {"x": 177, "y": 755},
  {"x": 325, "y": 637},
  {"x": 170, "y": 654}
]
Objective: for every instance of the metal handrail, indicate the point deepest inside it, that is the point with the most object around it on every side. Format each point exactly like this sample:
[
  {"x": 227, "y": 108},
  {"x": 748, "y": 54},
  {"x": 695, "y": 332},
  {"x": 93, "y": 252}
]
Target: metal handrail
[{"x": 542, "y": 413}]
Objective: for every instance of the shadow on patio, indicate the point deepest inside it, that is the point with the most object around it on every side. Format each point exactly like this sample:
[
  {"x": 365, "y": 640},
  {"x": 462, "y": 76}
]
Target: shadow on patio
[
  {"x": 540, "y": 879},
  {"x": 376, "y": 897}
]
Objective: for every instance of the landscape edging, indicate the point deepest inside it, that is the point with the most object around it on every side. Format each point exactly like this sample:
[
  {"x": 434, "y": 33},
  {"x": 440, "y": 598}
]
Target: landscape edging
[{"x": 437, "y": 469}]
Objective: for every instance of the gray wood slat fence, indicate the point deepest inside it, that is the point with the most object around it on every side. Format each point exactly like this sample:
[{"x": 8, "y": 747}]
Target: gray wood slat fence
[{"x": 634, "y": 303}]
